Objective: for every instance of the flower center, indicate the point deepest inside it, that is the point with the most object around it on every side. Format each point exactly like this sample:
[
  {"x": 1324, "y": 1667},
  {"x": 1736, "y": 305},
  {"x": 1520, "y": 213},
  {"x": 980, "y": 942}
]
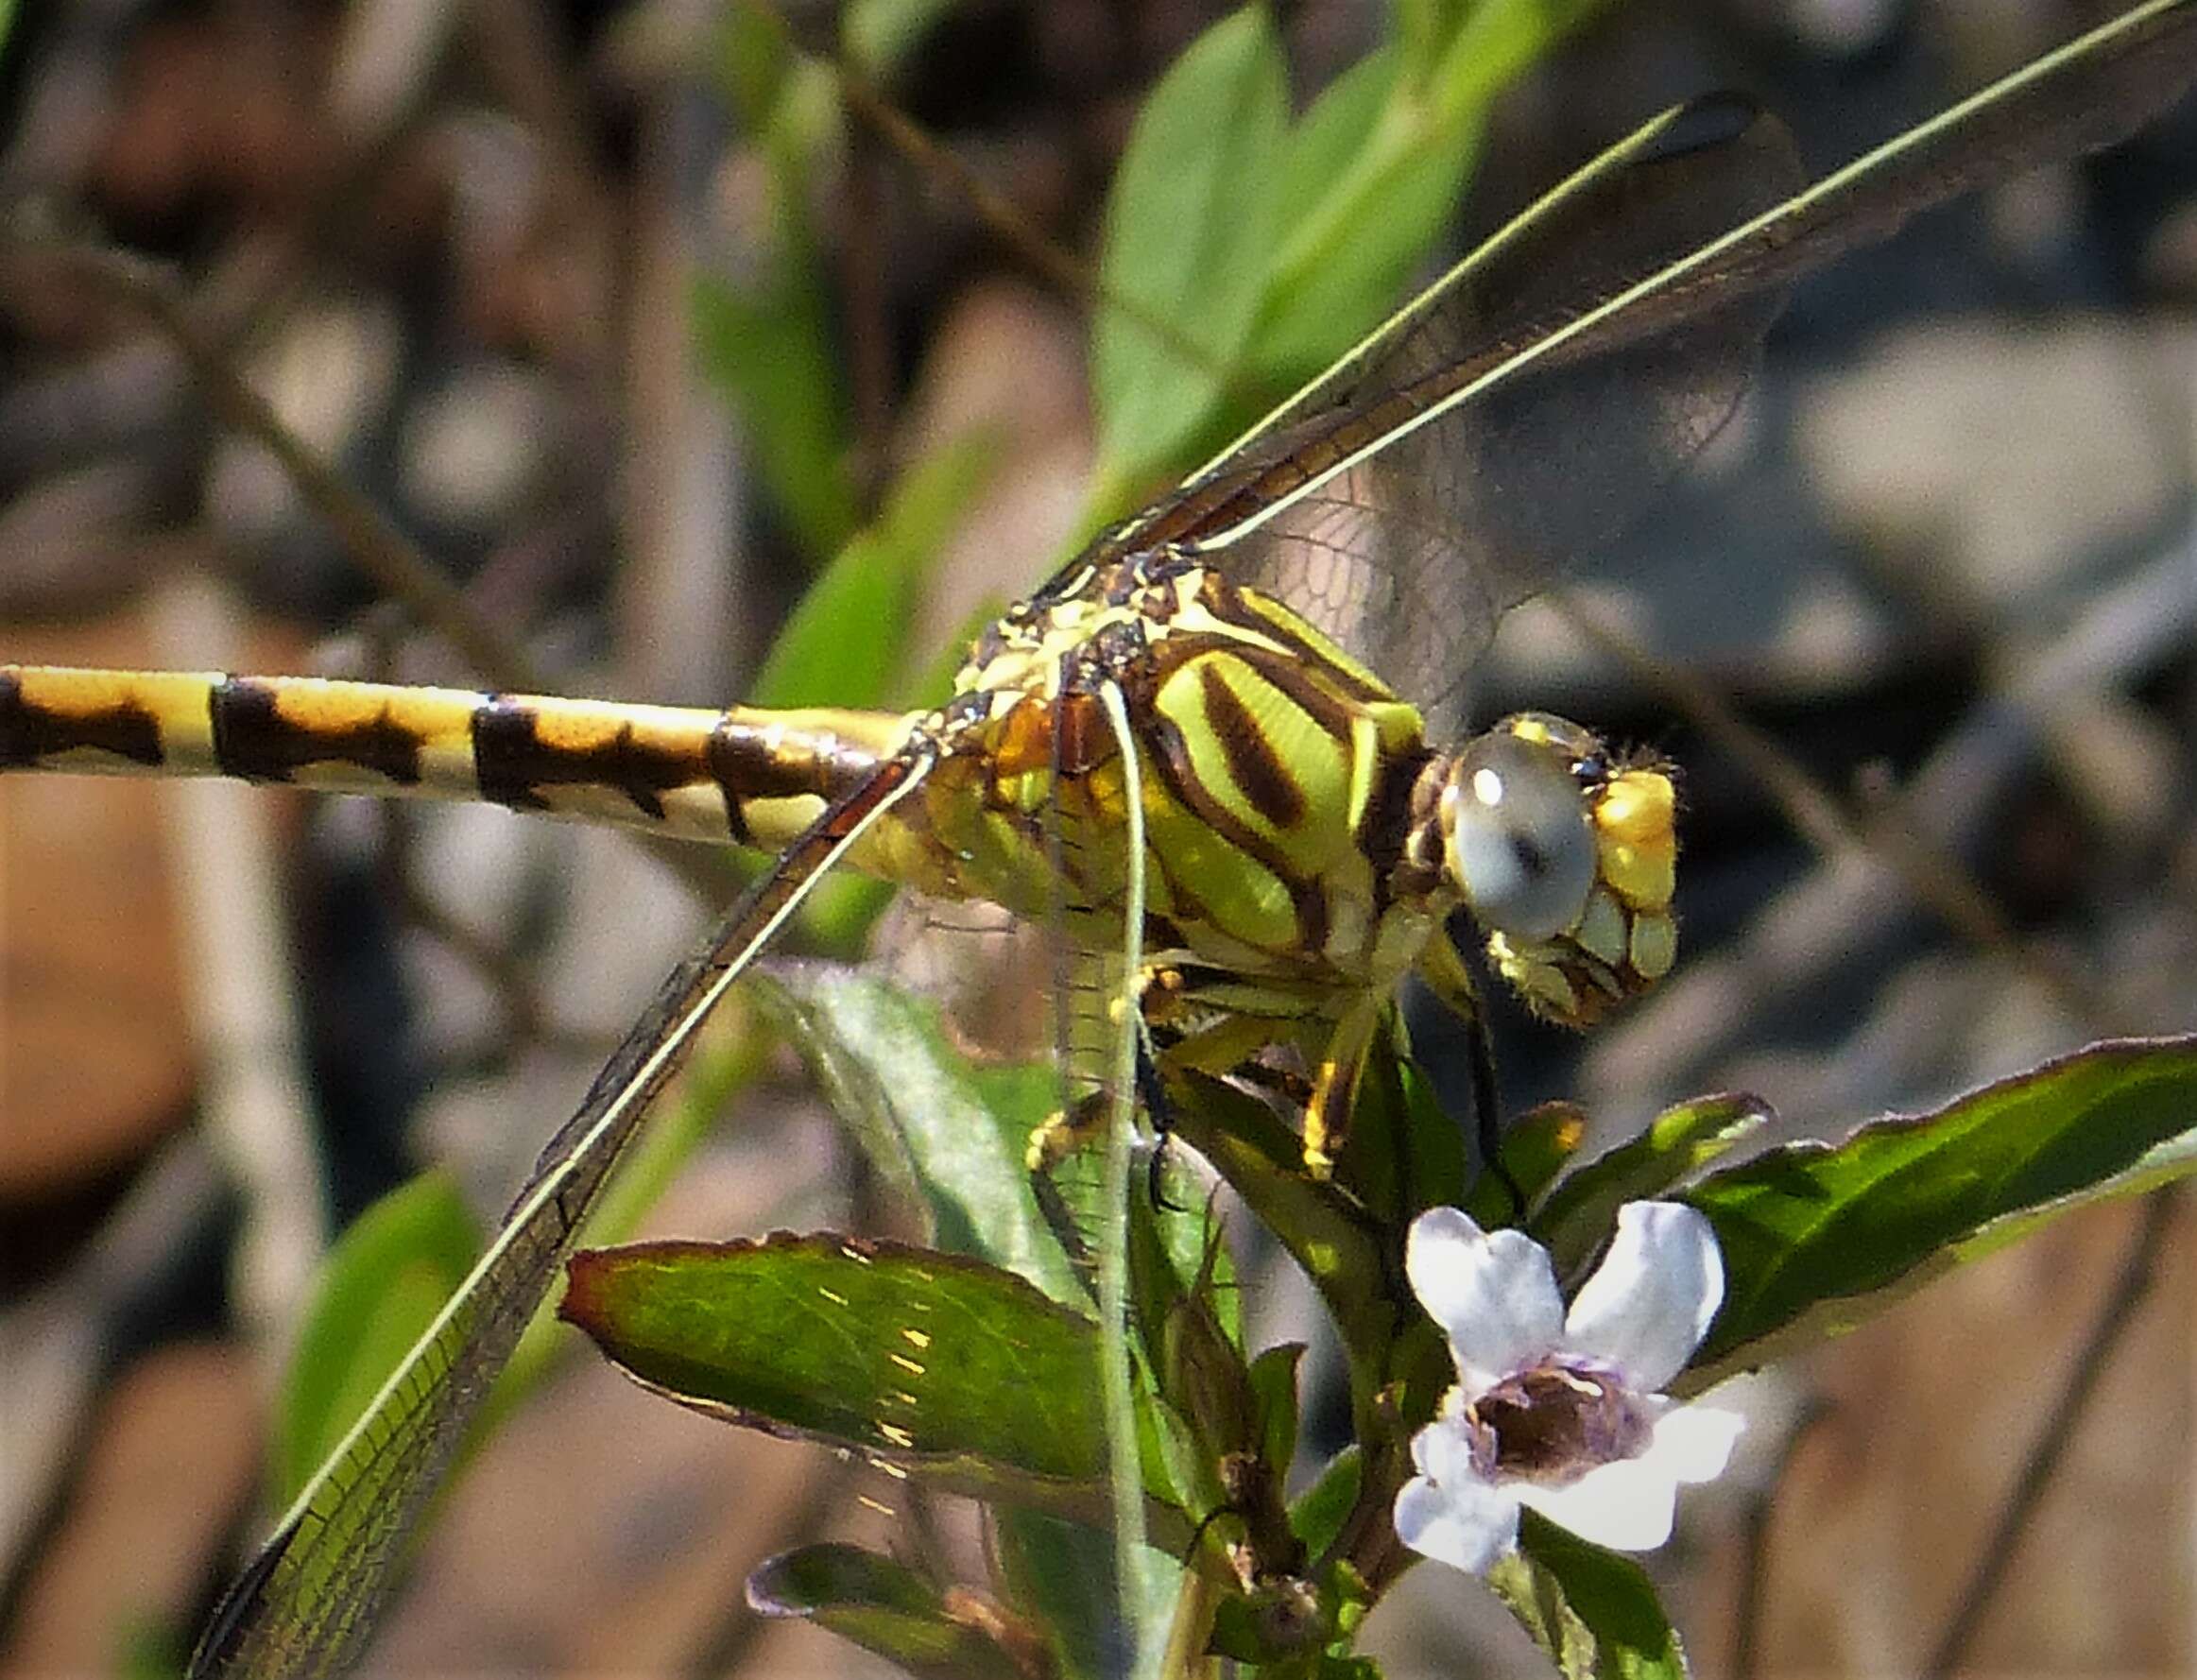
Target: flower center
[{"x": 1553, "y": 1424}]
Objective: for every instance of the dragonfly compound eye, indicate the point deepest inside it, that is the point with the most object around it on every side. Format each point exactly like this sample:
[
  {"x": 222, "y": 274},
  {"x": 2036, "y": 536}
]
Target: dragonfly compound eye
[{"x": 1519, "y": 836}]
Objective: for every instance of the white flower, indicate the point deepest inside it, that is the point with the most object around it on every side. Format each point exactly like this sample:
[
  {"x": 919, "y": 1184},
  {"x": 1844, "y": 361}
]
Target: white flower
[{"x": 1560, "y": 1411}]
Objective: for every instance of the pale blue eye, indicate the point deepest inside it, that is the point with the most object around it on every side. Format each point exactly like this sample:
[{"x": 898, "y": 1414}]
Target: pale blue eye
[{"x": 1520, "y": 843}]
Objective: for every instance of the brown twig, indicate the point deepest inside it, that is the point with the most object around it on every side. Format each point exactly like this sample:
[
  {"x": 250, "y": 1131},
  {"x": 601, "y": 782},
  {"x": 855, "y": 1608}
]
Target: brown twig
[
  {"x": 1007, "y": 225},
  {"x": 868, "y": 328},
  {"x": 2117, "y": 1312},
  {"x": 383, "y": 552},
  {"x": 1745, "y": 1658},
  {"x": 1824, "y": 821}
]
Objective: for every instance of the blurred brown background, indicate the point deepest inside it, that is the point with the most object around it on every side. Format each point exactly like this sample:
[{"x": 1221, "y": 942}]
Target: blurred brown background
[{"x": 1945, "y": 558}]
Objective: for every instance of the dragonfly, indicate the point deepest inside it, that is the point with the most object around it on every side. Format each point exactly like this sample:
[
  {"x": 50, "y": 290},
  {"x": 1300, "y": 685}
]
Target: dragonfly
[{"x": 1211, "y": 740}]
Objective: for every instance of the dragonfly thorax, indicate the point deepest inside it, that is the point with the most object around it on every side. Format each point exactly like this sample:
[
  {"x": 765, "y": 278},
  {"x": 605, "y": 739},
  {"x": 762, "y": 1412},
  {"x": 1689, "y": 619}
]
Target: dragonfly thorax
[{"x": 1564, "y": 856}]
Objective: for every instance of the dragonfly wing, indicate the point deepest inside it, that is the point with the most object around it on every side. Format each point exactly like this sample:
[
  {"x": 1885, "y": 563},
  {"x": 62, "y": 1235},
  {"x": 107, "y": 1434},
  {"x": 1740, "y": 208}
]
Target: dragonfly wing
[
  {"x": 309, "y": 1602},
  {"x": 1515, "y": 415},
  {"x": 1441, "y": 489}
]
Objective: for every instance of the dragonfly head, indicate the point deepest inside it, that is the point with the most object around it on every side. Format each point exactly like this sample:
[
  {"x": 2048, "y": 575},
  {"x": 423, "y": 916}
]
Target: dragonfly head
[{"x": 1567, "y": 857}]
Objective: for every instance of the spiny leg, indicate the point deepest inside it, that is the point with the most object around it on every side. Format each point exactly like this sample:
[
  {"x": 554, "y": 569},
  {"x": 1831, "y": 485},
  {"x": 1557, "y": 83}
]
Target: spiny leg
[
  {"x": 1064, "y": 1132},
  {"x": 1443, "y": 968}
]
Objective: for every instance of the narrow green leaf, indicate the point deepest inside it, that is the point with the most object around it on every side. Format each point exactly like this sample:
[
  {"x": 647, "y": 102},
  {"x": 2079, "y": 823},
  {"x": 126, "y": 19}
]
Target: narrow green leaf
[
  {"x": 1595, "y": 1612},
  {"x": 1338, "y": 126},
  {"x": 1364, "y": 215},
  {"x": 1817, "y": 1238},
  {"x": 1343, "y": 151},
  {"x": 847, "y": 642},
  {"x": 929, "y": 1362},
  {"x": 1274, "y": 1385},
  {"x": 1263, "y": 1160},
  {"x": 1319, "y": 1513},
  {"x": 884, "y": 1606},
  {"x": 786, "y": 395},
  {"x": 1540, "y": 1145},
  {"x": 378, "y": 1289},
  {"x": 1190, "y": 225},
  {"x": 946, "y": 1134},
  {"x": 755, "y": 57},
  {"x": 149, "y": 1648},
  {"x": 1579, "y": 1215},
  {"x": 1405, "y": 1151},
  {"x": 1061, "y": 1576}
]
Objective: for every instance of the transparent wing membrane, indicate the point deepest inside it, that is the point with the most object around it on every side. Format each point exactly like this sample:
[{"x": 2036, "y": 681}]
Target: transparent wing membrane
[
  {"x": 1517, "y": 414},
  {"x": 310, "y": 1599},
  {"x": 1409, "y": 554}
]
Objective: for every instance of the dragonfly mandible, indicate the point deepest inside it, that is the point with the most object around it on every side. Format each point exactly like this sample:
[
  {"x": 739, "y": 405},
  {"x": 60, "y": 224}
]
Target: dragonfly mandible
[{"x": 1260, "y": 651}]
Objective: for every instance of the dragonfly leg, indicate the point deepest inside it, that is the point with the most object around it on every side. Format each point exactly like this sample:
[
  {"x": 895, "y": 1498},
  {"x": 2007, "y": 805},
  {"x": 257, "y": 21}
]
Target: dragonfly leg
[
  {"x": 1159, "y": 1109},
  {"x": 1066, "y": 1130},
  {"x": 1447, "y": 975},
  {"x": 1327, "y": 1117},
  {"x": 1059, "y": 1135}
]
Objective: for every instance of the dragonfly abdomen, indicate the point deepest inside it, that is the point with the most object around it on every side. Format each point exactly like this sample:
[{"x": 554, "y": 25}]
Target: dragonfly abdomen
[{"x": 753, "y": 776}]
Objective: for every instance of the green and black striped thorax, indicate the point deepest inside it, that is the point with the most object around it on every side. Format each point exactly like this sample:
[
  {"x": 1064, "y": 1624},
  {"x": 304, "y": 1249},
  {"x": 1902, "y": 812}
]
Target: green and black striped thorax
[{"x": 1279, "y": 776}]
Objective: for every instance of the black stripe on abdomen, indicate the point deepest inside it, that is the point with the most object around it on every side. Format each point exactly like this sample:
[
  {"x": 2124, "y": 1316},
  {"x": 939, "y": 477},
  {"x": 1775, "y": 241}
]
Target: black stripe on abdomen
[
  {"x": 255, "y": 738},
  {"x": 514, "y": 763},
  {"x": 31, "y": 733}
]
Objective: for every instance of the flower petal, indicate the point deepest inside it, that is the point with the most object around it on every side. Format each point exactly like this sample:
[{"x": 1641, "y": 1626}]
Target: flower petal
[
  {"x": 1467, "y": 1525},
  {"x": 1694, "y": 1443},
  {"x": 1651, "y": 1300},
  {"x": 1443, "y": 1452},
  {"x": 1628, "y": 1505},
  {"x": 1494, "y": 1294}
]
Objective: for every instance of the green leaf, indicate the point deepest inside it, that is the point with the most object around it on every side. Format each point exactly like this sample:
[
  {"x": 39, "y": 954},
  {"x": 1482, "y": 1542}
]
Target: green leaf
[
  {"x": 755, "y": 60},
  {"x": 1060, "y": 1575},
  {"x": 1274, "y": 1385},
  {"x": 1595, "y": 1612},
  {"x": 932, "y": 1362},
  {"x": 763, "y": 349},
  {"x": 886, "y": 1607},
  {"x": 1540, "y": 1145},
  {"x": 1405, "y": 1151},
  {"x": 1262, "y": 1162},
  {"x": 1324, "y": 291},
  {"x": 1579, "y": 1215},
  {"x": 947, "y": 1135},
  {"x": 1375, "y": 171},
  {"x": 1817, "y": 1238},
  {"x": 1317, "y": 1513},
  {"x": 148, "y": 1647},
  {"x": 380, "y": 1286},
  {"x": 1197, "y": 1371},
  {"x": 847, "y": 642},
  {"x": 1189, "y": 225}
]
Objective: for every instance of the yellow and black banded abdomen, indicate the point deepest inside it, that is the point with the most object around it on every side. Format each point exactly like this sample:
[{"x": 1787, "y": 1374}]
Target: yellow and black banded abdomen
[{"x": 755, "y": 778}]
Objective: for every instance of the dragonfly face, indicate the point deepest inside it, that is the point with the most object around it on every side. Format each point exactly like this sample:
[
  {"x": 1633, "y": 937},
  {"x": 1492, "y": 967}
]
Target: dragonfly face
[
  {"x": 1302, "y": 834},
  {"x": 1568, "y": 858}
]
